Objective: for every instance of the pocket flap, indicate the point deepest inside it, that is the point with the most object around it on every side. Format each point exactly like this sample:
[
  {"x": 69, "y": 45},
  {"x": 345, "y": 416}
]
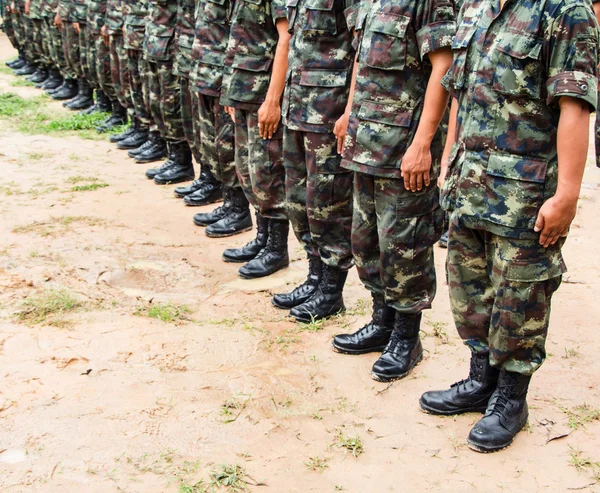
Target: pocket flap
[
  {"x": 535, "y": 270},
  {"x": 388, "y": 114},
  {"x": 218, "y": 2},
  {"x": 418, "y": 204},
  {"x": 519, "y": 45},
  {"x": 522, "y": 168},
  {"x": 389, "y": 23},
  {"x": 324, "y": 78},
  {"x": 292, "y": 3},
  {"x": 252, "y": 64},
  {"x": 463, "y": 37},
  {"x": 255, "y": 2},
  {"x": 320, "y": 4}
]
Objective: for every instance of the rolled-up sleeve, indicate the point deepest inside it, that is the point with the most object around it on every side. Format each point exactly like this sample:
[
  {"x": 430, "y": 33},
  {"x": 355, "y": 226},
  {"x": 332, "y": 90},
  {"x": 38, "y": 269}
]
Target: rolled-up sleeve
[{"x": 437, "y": 26}]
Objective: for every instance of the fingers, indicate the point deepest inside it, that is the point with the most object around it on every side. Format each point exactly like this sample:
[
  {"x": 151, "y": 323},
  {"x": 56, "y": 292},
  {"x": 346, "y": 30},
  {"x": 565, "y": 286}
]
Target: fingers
[
  {"x": 406, "y": 177},
  {"x": 340, "y": 145},
  {"x": 426, "y": 178}
]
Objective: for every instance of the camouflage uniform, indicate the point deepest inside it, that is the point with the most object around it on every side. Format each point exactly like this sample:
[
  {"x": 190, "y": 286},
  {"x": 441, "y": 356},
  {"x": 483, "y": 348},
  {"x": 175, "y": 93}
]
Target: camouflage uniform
[
  {"x": 53, "y": 48},
  {"x": 70, "y": 39},
  {"x": 96, "y": 10},
  {"x": 212, "y": 125},
  {"x": 394, "y": 229},
  {"x": 8, "y": 25},
  {"x": 119, "y": 67},
  {"x": 134, "y": 18},
  {"x": 597, "y": 128},
  {"x": 80, "y": 16},
  {"x": 509, "y": 71},
  {"x": 162, "y": 86},
  {"x": 247, "y": 75},
  {"x": 184, "y": 40},
  {"x": 35, "y": 43},
  {"x": 318, "y": 190}
]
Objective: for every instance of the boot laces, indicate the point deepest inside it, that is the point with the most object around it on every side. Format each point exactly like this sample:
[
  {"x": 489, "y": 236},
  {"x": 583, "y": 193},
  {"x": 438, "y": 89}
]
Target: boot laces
[
  {"x": 506, "y": 391},
  {"x": 472, "y": 374},
  {"x": 396, "y": 340}
]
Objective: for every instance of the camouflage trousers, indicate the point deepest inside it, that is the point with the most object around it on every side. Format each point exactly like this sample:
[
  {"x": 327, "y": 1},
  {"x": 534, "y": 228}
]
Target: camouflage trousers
[
  {"x": 103, "y": 73},
  {"x": 119, "y": 69},
  {"x": 597, "y": 132},
  {"x": 91, "y": 57},
  {"x": 84, "y": 52},
  {"x": 135, "y": 61},
  {"x": 259, "y": 166},
  {"x": 71, "y": 49},
  {"x": 187, "y": 117},
  {"x": 319, "y": 196},
  {"x": 18, "y": 25},
  {"x": 500, "y": 293},
  {"x": 163, "y": 99},
  {"x": 393, "y": 233},
  {"x": 9, "y": 27},
  {"x": 216, "y": 131}
]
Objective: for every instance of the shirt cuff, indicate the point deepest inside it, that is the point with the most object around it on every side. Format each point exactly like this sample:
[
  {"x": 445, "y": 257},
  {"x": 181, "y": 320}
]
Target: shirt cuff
[
  {"x": 279, "y": 13},
  {"x": 578, "y": 85},
  {"x": 435, "y": 36},
  {"x": 351, "y": 14}
]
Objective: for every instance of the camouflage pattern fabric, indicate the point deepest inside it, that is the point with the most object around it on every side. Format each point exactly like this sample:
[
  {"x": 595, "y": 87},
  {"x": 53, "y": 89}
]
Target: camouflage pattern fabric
[
  {"x": 18, "y": 25},
  {"x": 114, "y": 17},
  {"x": 163, "y": 98},
  {"x": 54, "y": 46},
  {"x": 210, "y": 44},
  {"x": 500, "y": 293},
  {"x": 84, "y": 51},
  {"x": 160, "y": 31},
  {"x": 71, "y": 48},
  {"x": 505, "y": 165},
  {"x": 318, "y": 196},
  {"x": 103, "y": 71},
  {"x": 187, "y": 117},
  {"x": 320, "y": 68},
  {"x": 119, "y": 69},
  {"x": 597, "y": 133},
  {"x": 8, "y": 26},
  {"x": 135, "y": 61},
  {"x": 35, "y": 39},
  {"x": 259, "y": 166},
  {"x": 184, "y": 37},
  {"x": 250, "y": 51},
  {"x": 394, "y": 40},
  {"x": 393, "y": 233},
  {"x": 134, "y": 23},
  {"x": 96, "y": 11},
  {"x": 217, "y": 142}
]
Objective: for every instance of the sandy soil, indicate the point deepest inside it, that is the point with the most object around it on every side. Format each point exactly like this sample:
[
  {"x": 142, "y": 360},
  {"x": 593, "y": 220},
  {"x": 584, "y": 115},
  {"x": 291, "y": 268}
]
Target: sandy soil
[{"x": 149, "y": 416}]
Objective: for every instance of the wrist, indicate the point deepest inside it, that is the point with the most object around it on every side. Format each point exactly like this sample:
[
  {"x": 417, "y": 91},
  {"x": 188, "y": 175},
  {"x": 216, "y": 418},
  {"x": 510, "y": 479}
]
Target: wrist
[{"x": 567, "y": 196}]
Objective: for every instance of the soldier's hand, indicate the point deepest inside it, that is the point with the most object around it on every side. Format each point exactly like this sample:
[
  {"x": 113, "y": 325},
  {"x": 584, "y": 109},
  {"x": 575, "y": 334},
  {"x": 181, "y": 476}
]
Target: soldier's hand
[
  {"x": 340, "y": 129},
  {"x": 416, "y": 167},
  {"x": 269, "y": 116},
  {"x": 76, "y": 27},
  {"x": 105, "y": 36},
  {"x": 12, "y": 8},
  {"x": 230, "y": 111},
  {"x": 58, "y": 22},
  {"x": 554, "y": 219},
  {"x": 28, "y": 7}
]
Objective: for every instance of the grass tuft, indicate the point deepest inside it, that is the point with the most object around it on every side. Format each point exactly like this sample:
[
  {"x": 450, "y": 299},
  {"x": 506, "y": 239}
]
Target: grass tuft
[
  {"x": 317, "y": 463},
  {"x": 12, "y": 105},
  {"x": 48, "y": 306},
  {"x": 352, "y": 444},
  {"x": 579, "y": 416},
  {"x": 89, "y": 188},
  {"x": 166, "y": 312},
  {"x": 232, "y": 476}
]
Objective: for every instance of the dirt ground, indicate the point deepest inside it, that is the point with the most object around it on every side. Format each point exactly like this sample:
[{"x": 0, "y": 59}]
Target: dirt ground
[{"x": 105, "y": 398}]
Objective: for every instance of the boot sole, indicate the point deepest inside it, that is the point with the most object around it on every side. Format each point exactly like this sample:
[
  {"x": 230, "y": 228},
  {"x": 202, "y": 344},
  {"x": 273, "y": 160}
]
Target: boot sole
[
  {"x": 341, "y": 350},
  {"x": 236, "y": 261},
  {"x": 308, "y": 320},
  {"x": 153, "y": 160},
  {"x": 247, "y": 277},
  {"x": 126, "y": 148},
  {"x": 204, "y": 203},
  {"x": 430, "y": 410},
  {"x": 173, "y": 182},
  {"x": 489, "y": 449},
  {"x": 382, "y": 378},
  {"x": 227, "y": 235}
]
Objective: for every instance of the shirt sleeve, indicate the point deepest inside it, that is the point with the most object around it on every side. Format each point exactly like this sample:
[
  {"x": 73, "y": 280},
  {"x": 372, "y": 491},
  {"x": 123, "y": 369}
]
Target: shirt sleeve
[
  {"x": 572, "y": 56},
  {"x": 278, "y": 10},
  {"x": 436, "y": 25}
]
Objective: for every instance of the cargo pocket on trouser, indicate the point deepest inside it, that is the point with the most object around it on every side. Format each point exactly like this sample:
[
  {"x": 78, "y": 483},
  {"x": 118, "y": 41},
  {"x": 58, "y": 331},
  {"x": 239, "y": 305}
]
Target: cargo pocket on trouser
[
  {"x": 524, "y": 288},
  {"x": 408, "y": 273}
]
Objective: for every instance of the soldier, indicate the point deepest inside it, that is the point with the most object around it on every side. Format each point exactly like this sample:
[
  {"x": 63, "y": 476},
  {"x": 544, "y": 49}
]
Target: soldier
[
  {"x": 85, "y": 96},
  {"x": 597, "y": 129},
  {"x": 162, "y": 87},
  {"x": 53, "y": 53},
  {"x": 134, "y": 25},
  {"x": 65, "y": 14},
  {"x": 10, "y": 27},
  {"x": 27, "y": 18},
  {"x": 253, "y": 84},
  {"x": 524, "y": 83},
  {"x": 318, "y": 190}
]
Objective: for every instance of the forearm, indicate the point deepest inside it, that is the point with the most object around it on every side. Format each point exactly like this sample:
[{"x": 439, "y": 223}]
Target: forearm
[
  {"x": 352, "y": 85},
  {"x": 572, "y": 146},
  {"x": 280, "y": 65},
  {"x": 451, "y": 137}
]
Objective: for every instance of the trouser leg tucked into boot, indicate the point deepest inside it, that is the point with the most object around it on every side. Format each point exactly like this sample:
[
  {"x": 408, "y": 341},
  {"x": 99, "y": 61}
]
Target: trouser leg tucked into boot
[
  {"x": 404, "y": 350},
  {"x": 274, "y": 256},
  {"x": 302, "y": 293},
  {"x": 374, "y": 336}
]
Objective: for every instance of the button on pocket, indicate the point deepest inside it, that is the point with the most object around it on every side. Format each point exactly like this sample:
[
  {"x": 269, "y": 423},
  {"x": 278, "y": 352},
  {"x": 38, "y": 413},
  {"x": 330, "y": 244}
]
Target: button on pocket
[{"x": 387, "y": 50}]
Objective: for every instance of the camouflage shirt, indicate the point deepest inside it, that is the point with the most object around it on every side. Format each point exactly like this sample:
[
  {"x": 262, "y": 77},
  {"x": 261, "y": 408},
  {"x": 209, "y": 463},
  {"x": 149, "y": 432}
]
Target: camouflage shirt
[
  {"x": 320, "y": 63},
  {"x": 49, "y": 8},
  {"x": 210, "y": 43},
  {"x": 96, "y": 11},
  {"x": 134, "y": 21},
  {"x": 35, "y": 9},
  {"x": 79, "y": 12},
  {"x": 250, "y": 52},
  {"x": 510, "y": 69},
  {"x": 114, "y": 16},
  {"x": 184, "y": 37},
  {"x": 160, "y": 30},
  {"x": 394, "y": 40}
]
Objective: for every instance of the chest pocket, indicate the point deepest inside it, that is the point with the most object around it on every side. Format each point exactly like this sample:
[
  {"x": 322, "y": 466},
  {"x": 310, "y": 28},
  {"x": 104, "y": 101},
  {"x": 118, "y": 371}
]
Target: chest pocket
[
  {"x": 516, "y": 56},
  {"x": 321, "y": 19},
  {"x": 253, "y": 11},
  {"x": 460, "y": 48},
  {"x": 216, "y": 11},
  {"x": 387, "y": 50}
]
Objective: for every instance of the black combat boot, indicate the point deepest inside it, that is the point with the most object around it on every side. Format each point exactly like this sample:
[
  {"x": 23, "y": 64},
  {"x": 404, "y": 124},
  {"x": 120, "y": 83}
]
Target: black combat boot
[
  {"x": 183, "y": 167},
  {"x": 403, "y": 352},
  {"x": 136, "y": 139},
  {"x": 207, "y": 218},
  {"x": 168, "y": 164},
  {"x": 122, "y": 136},
  {"x": 204, "y": 178},
  {"x": 85, "y": 100},
  {"x": 79, "y": 95},
  {"x": 506, "y": 414},
  {"x": 57, "y": 89},
  {"x": 274, "y": 256},
  {"x": 302, "y": 293},
  {"x": 470, "y": 395},
  {"x": 203, "y": 191},
  {"x": 156, "y": 151},
  {"x": 67, "y": 91},
  {"x": 53, "y": 81},
  {"x": 237, "y": 219},
  {"x": 374, "y": 336},
  {"x": 118, "y": 118},
  {"x": 327, "y": 300},
  {"x": 40, "y": 75},
  {"x": 251, "y": 249},
  {"x": 104, "y": 105},
  {"x": 27, "y": 69},
  {"x": 16, "y": 63}
]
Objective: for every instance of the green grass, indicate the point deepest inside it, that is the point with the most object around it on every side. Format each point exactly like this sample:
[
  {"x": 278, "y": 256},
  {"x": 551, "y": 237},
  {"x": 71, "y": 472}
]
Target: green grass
[
  {"x": 79, "y": 179},
  {"x": 580, "y": 416},
  {"x": 46, "y": 306},
  {"x": 353, "y": 444},
  {"x": 22, "y": 83},
  {"x": 89, "y": 188},
  {"x": 166, "y": 312},
  {"x": 317, "y": 463},
  {"x": 231, "y": 476},
  {"x": 12, "y": 105}
]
